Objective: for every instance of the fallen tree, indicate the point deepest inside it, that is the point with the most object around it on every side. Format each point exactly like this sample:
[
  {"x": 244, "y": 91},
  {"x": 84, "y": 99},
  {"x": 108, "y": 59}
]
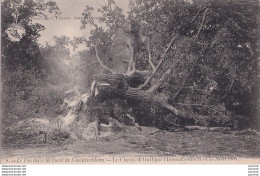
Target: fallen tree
[{"x": 174, "y": 66}]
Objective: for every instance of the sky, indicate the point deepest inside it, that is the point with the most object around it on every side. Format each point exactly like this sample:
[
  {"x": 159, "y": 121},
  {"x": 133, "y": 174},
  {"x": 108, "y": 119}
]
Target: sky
[{"x": 70, "y": 27}]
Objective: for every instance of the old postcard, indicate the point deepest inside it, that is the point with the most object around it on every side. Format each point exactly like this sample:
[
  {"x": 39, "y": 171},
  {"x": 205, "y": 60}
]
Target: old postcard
[{"x": 130, "y": 82}]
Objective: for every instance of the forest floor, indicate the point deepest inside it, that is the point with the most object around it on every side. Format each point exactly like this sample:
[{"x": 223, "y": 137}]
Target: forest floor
[{"x": 148, "y": 141}]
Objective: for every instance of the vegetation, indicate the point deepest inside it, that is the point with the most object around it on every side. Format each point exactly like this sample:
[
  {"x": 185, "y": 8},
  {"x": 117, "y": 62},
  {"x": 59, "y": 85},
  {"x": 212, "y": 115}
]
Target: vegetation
[
  {"x": 179, "y": 61},
  {"x": 165, "y": 63}
]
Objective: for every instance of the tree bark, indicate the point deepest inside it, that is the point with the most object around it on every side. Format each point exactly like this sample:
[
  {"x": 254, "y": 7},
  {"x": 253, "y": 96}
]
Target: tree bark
[{"x": 118, "y": 88}]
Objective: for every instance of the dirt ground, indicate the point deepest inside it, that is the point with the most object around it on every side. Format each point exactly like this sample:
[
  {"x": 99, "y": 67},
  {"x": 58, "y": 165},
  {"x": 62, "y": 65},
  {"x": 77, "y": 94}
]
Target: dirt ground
[{"x": 149, "y": 141}]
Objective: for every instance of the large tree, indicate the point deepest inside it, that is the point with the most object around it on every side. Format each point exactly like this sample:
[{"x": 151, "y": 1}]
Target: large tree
[{"x": 187, "y": 59}]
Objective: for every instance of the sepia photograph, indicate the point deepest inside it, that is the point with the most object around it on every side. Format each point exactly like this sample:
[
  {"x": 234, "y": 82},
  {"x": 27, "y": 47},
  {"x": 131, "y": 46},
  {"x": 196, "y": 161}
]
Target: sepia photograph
[{"x": 130, "y": 81}]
